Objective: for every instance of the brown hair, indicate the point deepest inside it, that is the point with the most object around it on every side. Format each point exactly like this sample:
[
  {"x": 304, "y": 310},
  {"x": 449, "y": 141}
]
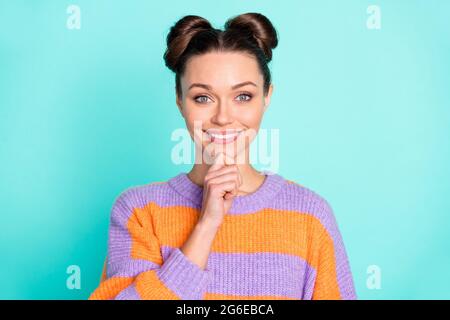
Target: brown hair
[{"x": 193, "y": 35}]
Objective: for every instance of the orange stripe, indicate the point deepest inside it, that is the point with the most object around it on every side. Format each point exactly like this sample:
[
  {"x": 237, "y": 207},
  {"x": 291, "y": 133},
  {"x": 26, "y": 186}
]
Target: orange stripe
[
  {"x": 248, "y": 233},
  {"x": 110, "y": 288},
  {"x": 255, "y": 232},
  {"x": 326, "y": 286},
  {"x": 150, "y": 287},
  {"x": 144, "y": 245}
]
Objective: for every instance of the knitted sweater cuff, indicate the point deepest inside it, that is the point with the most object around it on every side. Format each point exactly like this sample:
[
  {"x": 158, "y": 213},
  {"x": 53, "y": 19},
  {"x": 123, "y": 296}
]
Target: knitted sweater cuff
[{"x": 183, "y": 277}]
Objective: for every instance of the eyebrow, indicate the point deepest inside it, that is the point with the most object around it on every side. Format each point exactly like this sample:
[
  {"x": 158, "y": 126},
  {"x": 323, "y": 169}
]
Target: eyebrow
[{"x": 208, "y": 87}]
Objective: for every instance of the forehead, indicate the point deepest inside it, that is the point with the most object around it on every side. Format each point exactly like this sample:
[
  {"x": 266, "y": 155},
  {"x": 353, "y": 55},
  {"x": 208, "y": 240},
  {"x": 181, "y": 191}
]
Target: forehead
[{"x": 222, "y": 69}]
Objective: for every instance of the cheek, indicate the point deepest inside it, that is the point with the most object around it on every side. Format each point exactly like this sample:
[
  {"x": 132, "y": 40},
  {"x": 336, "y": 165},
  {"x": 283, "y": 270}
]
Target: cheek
[
  {"x": 194, "y": 111},
  {"x": 195, "y": 116},
  {"x": 250, "y": 116},
  {"x": 195, "y": 122}
]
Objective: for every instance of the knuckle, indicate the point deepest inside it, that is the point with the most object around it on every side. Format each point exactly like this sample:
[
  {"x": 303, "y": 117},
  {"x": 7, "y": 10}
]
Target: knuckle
[{"x": 209, "y": 184}]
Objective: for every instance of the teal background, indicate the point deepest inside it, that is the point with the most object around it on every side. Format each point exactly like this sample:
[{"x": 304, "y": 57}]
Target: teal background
[{"x": 363, "y": 118}]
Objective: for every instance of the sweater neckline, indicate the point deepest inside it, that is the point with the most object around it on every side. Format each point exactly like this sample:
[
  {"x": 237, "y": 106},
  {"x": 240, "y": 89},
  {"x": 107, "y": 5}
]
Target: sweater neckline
[{"x": 247, "y": 203}]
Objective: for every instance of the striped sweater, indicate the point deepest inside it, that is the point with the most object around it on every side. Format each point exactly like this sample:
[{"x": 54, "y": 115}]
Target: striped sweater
[{"x": 280, "y": 242}]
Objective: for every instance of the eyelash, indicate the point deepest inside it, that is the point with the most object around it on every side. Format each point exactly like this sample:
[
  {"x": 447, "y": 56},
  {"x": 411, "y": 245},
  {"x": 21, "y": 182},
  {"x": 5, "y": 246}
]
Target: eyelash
[{"x": 241, "y": 101}]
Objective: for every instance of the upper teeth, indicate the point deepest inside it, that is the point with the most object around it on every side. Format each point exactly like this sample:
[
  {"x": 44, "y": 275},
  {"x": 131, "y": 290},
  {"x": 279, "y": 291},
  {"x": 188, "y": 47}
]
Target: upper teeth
[{"x": 221, "y": 136}]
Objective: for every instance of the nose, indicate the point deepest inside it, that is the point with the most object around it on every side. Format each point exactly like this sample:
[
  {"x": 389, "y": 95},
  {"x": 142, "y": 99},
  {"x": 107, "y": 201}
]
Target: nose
[{"x": 222, "y": 115}]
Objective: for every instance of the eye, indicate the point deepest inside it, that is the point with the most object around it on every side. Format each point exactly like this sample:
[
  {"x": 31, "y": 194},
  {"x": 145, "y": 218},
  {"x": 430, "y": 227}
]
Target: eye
[
  {"x": 246, "y": 97},
  {"x": 201, "y": 99}
]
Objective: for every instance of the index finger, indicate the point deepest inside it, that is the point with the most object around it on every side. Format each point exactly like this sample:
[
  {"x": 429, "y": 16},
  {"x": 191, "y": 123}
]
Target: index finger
[{"x": 219, "y": 162}]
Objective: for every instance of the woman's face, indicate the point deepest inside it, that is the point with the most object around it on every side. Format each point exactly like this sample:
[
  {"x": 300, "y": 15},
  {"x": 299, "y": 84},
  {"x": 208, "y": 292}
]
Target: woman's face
[{"x": 223, "y": 103}]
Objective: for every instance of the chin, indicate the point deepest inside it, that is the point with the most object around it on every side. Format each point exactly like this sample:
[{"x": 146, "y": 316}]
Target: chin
[{"x": 211, "y": 149}]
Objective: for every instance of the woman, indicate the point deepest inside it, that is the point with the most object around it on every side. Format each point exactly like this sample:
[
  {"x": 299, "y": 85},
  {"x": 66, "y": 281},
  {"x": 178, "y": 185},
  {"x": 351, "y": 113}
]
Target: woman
[{"x": 223, "y": 230}]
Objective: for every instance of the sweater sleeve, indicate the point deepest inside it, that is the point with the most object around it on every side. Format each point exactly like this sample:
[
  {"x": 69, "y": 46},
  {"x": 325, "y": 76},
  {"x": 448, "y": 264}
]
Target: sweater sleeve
[
  {"x": 333, "y": 275},
  {"x": 135, "y": 268}
]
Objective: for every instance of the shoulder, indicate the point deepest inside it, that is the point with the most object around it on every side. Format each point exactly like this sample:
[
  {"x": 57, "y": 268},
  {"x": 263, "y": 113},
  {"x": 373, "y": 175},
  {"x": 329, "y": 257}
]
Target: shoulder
[
  {"x": 139, "y": 196},
  {"x": 305, "y": 198},
  {"x": 306, "y": 201}
]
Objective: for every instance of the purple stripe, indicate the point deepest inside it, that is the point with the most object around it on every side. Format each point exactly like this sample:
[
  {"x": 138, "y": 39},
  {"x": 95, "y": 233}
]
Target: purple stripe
[
  {"x": 130, "y": 268},
  {"x": 257, "y": 200},
  {"x": 310, "y": 280},
  {"x": 258, "y": 274}
]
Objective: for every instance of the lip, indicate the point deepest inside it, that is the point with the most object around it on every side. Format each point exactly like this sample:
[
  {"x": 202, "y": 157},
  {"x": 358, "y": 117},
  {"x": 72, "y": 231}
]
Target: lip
[{"x": 223, "y": 136}]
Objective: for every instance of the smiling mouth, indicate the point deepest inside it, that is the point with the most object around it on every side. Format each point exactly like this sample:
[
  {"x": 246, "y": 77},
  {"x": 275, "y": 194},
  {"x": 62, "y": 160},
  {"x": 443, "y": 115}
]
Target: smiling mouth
[{"x": 223, "y": 138}]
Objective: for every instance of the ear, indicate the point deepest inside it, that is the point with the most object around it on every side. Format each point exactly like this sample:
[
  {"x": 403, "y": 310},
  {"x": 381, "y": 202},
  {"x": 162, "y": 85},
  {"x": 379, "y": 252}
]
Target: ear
[
  {"x": 179, "y": 104},
  {"x": 267, "y": 97}
]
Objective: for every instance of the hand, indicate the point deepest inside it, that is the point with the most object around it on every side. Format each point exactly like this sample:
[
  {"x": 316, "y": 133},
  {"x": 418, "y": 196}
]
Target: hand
[{"x": 220, "y": 186}]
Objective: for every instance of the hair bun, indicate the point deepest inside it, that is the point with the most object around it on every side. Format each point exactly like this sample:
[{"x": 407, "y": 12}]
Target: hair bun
[
  {"x": 257, "y": 26},
  {"x": 180, "y": 35}
]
